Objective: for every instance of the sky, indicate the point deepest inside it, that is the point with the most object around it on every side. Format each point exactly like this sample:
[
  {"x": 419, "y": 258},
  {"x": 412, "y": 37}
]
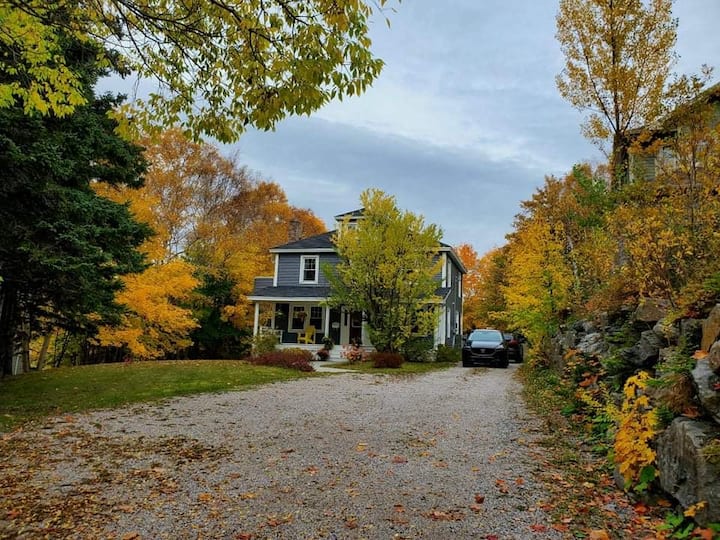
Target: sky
[{"x": 463, "y": 123}]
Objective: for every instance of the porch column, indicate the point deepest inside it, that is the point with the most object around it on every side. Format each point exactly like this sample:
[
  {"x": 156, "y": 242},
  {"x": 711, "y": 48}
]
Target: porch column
[
  {"x": 257, "y": 319},
  {"x": 326, "y": 326}
]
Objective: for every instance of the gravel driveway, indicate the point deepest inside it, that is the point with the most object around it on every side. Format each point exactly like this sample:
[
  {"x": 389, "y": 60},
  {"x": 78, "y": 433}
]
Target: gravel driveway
[{"x": 444, "y": 455}]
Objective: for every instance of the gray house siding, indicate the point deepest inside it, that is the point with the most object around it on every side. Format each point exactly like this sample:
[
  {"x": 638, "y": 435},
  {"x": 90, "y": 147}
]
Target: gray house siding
[
  {"x": 453, "y": 306},
  {"x": 289, "y": 268}
]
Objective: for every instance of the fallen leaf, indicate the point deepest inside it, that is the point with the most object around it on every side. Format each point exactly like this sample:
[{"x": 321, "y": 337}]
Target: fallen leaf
[
  {"x": 699, "y": 355},
  {"x": 205, "y": 497},
  {"x": 479, "y": 498},
  {"x": 399, "y": 459},
  {"x": 243, "y": 536},
  {"x": 519, "y": 481},
  {"x": 351, "y": 523},
  {"x": 598, "y": 535},
  {"x": 704, "y": 534},
  {"x": 538, "y": 528},
  {"x": 131, "y": 536},
  {"x": 476, "y": 508},
  {"x": 247, "y": 496}
]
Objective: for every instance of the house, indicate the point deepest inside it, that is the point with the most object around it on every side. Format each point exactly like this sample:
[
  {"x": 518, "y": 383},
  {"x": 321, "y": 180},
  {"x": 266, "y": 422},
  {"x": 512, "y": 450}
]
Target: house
[
  {"x": 293, "y": 299},
  {"x": 654, "y": 147}
]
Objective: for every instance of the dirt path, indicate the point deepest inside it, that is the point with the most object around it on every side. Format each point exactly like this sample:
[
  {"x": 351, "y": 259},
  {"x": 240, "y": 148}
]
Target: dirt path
[{"x": 440, "y": 456}]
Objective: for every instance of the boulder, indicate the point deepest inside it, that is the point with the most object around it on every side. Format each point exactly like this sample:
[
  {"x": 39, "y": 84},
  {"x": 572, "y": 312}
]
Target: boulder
[
  {"x": 646, "y": 352},
  {"x": 714, "y": 357},
  {"x": 691, "y": 332},
  {"x": 593, "y": 345},
  {"x": 705, "y": 380},
  {"x": 711, "y": 328},
  {"x": 684, "y": 471},
  {"x": 651, "y": 310},
  {"x": 669, "y": 332}
]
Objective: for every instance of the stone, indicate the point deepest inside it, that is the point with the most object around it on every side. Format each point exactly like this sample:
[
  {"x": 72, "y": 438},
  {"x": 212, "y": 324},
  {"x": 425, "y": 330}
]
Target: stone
[
  {"x": 593, "y": 345},
  {"x": 651, "y": 310},
  {"x": 713, "y": 357},
  {"x": 711, "y": 328},
  {"x": 705, "y": 380},
  {"x": 647, "y": 351},
  {"x": 684, "y": 471},
  {"x": 691, "y": 332},
  {"x": 669, "y": 332}
]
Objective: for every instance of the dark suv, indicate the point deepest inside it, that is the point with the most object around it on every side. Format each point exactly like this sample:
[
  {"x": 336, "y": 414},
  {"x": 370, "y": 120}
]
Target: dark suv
[
  {"x": 484, "y": 347},
  {"x": 514, "y": 346}
]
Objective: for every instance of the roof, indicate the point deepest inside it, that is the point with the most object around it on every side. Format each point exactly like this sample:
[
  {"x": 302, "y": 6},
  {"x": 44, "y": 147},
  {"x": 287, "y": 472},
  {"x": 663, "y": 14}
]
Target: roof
[
  {"x": 289, "y": 293},
  {"x": 669, "y": 121},
  {"x": 323, "y": 243},
  {"x": 352, "y": 214},
  {"x": 319, "y": 242}
]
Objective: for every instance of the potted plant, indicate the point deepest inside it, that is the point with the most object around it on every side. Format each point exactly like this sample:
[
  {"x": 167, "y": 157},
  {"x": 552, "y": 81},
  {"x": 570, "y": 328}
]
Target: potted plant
[
  {"x": 323, "y": 354},
  {"x": 327, "y": 343}
]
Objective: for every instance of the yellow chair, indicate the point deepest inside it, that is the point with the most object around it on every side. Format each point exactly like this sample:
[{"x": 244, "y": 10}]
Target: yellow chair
[{"x": 308, "y": 336}]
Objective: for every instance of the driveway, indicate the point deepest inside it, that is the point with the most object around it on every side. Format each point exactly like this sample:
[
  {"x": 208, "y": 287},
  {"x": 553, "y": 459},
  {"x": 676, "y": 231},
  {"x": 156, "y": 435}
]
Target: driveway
[{"x": 444, "y": 455}]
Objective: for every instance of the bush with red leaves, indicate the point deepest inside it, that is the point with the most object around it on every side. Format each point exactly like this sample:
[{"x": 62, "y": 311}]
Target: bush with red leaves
[
  {"x": 386, "y": 359},
  {"x": 287, "y": 358}
]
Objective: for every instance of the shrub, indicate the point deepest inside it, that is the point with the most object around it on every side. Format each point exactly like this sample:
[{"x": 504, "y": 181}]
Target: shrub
[
  {"x": 447, "y": 354},
  {"x": 323, "y": 354},
  {"x": 418, "y": 349},
  {"x": 287, "y": 358},
  {"x": 353, "y": 354},
  {"x": 264, "y": 343},
  {"x": 386, "y": 359},
  {"x": 327, "y": 343}
]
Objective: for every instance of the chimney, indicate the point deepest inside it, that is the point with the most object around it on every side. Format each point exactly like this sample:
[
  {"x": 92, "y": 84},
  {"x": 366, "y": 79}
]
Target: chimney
[{"x": 294, "y": 230}]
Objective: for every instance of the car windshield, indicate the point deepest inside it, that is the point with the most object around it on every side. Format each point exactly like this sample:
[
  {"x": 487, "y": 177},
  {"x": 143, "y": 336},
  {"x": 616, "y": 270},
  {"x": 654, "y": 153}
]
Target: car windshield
[{"x": 485, "y": 335}]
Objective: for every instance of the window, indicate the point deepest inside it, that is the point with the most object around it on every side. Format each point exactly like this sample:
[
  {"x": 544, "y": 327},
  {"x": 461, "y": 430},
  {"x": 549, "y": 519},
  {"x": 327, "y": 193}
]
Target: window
[
  {"x": 298, "y": 317},
  {"x": 316, "y": 316},
  {"x": 308, "y": 269}
]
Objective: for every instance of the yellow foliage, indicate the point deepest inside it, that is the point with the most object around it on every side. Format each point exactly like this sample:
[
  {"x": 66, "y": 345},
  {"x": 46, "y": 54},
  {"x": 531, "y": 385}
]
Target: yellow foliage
[
  {"x": 155, "y": 325},
  {"x": 636, "y": 430}
]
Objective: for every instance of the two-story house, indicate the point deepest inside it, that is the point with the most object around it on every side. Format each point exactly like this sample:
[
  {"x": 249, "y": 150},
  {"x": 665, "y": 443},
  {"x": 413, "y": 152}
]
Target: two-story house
[
  {"x": 292, "y": 302},
  {"x": 656, "y": 146}
]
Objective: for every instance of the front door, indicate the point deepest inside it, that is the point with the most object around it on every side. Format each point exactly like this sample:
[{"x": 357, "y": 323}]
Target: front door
[
  {"x": 356, "y": 327},
  {"x": 335, "y": 323}
]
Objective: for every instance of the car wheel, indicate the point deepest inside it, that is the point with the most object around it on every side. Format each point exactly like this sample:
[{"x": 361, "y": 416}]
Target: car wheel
[{"x": 505, "y": 363}]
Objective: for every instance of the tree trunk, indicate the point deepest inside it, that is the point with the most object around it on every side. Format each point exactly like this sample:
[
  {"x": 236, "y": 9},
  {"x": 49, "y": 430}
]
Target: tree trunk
[
  {"x": 620, "y": 162},
  {"x": 8, "y": 320},
  {"x": 42, "y": 357}
]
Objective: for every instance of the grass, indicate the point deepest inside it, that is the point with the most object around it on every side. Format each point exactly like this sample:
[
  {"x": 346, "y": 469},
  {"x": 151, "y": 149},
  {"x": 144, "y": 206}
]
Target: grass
[
  {"x": 407, "y": 368},
  {"x": 33, "y": 396}
]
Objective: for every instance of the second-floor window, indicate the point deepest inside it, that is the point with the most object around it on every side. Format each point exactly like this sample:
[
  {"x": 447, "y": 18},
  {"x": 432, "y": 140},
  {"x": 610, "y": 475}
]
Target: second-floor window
[{"x": 308, "y": 269}]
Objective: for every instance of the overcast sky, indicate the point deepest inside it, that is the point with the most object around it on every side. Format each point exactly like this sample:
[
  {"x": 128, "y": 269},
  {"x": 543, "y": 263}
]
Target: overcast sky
[{"x": 463, "y": 123}]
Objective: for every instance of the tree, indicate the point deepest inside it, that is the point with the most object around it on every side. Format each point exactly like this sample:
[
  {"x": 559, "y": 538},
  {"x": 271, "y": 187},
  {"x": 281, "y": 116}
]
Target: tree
[
  {"x": 214, "y": 223},
  {"x": 63, "y": 248},
  {"x": 483, "y": 299},
  {"x": 219, "y": 66},
  {"x": 538, "y": 280},
  {"x": 387, "y": 269},
  {"x": 618, "y": 55}
]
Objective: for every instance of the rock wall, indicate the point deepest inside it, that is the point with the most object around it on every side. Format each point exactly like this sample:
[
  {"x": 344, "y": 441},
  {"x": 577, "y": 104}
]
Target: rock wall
[{"x": 688, "y": 451}]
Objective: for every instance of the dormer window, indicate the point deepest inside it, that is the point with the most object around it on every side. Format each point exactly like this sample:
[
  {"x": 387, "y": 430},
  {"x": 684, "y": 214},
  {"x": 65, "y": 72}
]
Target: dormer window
[{"x": 309, "y": 269}]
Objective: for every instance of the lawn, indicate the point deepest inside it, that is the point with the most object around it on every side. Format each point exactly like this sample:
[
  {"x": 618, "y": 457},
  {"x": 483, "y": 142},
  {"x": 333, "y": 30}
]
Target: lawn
[
  {"x": 76, "y": 389},
  {"x": 407, "y": 368}
]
